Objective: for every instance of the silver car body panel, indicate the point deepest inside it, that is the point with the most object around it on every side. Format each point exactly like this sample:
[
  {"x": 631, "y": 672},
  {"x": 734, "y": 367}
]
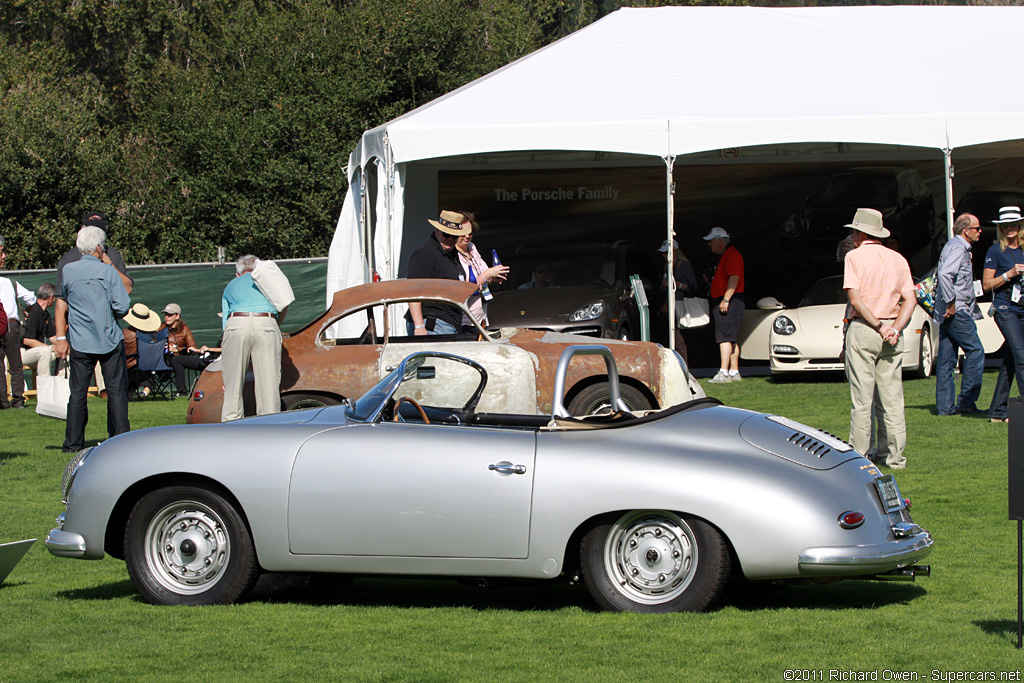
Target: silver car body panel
[{"x": 422, "y": 499}]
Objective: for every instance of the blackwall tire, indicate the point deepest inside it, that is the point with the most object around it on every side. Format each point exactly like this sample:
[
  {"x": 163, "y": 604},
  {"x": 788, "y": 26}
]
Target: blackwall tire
[
  {"x": 303, "y": 401},
  {"x": 654, "y": 561},
  {"x": 597, "y": 397},
  {"x": 187, "y": 545}
]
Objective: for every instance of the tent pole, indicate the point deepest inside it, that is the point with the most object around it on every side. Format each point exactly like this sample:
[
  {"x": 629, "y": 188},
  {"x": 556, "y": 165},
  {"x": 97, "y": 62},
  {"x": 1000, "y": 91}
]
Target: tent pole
[
  {"x": 947, "y": 156},
  {"x": 364, "y": 232},
  {"x": 670, "y": 231},
  {"x": 389, "y": 204}
]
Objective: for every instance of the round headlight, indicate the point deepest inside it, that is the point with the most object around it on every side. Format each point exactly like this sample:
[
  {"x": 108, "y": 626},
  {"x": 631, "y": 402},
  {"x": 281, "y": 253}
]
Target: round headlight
[
  {"x": 71, "y": 470},
  {"x": 594, "y": 310},
  {"x": 783, "y": 325}
]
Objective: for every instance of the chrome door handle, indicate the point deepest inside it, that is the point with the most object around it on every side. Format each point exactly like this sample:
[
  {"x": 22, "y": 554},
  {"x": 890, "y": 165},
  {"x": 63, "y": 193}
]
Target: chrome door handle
[{"x": 507, "y": 468}]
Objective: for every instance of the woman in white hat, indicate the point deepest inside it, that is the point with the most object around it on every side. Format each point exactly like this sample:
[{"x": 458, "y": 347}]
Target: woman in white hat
[{"x": 1004, "y": 264}]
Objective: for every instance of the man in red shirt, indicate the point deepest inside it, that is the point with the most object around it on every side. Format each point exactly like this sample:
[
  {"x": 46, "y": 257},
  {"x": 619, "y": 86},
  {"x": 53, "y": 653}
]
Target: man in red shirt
[{"x": 727, "y": 304}]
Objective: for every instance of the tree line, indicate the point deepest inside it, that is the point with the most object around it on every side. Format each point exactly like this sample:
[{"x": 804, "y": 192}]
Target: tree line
[{"x": 202, "y": 123}]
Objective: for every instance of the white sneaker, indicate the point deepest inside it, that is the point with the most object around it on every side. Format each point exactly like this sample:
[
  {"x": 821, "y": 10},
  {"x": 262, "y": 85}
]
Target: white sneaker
[
  {"x": 734, "y": 378},
  {"x": 720, "y": 378}
]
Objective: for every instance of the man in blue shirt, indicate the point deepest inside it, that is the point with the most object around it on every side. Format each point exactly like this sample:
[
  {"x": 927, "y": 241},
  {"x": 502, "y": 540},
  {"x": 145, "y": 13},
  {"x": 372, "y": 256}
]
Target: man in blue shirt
[
  {"x": 250, "y": 331},
  {"x": 956, "y": 309},
  {"x": 96, "y": 298}
]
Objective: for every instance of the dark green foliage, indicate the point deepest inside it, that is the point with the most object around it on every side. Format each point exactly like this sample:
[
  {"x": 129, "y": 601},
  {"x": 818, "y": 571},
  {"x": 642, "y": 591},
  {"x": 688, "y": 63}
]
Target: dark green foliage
[{"x": 222, "y": 123}]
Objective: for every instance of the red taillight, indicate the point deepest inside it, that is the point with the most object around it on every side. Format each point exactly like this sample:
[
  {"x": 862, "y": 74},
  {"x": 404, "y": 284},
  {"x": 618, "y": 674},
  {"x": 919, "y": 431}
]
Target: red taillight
[{"x": 851, "y": 519}]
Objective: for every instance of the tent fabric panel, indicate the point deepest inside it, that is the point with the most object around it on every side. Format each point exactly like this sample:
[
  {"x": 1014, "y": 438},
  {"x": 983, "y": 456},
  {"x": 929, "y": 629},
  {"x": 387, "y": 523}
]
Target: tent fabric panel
[
  {"x": 416, "y": 142},
  {"x": 690, "y": 135}
]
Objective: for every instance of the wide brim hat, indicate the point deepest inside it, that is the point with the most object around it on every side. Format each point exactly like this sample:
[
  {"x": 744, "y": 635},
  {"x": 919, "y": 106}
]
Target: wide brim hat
[
  {"x": 143, "y": 319},
  {"x": 869, "y": 222},
  {"x": 451, "y": 224},
  {"x": 1009, "y": 215}
]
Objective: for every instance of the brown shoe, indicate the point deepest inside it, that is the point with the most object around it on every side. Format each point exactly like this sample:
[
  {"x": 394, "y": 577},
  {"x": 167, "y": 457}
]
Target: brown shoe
[{"x": 103, "y": 394}]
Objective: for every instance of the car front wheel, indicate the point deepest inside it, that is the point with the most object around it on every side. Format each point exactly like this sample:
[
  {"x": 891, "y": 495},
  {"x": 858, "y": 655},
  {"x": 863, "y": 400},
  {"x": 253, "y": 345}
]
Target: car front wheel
[
  {"x": 654, "y": 561},
  {"x": 926, "y": 362},
  {"x": 598, "y": 397},
  {"x": 187, "y": 545}
]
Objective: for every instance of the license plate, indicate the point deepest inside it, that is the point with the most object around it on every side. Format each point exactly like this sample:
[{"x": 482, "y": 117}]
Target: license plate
[{"x": 889, "y": 493}]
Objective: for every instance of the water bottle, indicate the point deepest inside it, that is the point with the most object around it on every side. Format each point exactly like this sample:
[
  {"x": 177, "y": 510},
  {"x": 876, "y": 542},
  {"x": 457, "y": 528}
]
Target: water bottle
[{"x": 494, "y": 257}]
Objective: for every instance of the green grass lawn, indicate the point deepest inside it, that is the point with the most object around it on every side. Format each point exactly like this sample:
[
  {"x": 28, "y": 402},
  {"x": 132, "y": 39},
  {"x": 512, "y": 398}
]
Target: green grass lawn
[{"x": 62, "y": 619}]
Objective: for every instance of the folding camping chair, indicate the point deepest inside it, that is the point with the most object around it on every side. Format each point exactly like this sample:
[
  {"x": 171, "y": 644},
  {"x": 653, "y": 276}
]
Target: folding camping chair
[{"x": 152, "y": 370}]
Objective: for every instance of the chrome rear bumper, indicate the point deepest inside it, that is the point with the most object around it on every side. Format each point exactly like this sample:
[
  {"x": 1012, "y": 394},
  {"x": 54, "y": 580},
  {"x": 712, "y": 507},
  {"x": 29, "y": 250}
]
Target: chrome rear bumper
[{"x": 865, "y": 559}]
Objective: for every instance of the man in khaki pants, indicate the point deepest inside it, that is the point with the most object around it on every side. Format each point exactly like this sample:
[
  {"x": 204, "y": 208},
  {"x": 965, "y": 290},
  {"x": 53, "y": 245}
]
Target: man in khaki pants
[
  {"x": 250, "y": 331},
  {"x": 881, "y": 291}
]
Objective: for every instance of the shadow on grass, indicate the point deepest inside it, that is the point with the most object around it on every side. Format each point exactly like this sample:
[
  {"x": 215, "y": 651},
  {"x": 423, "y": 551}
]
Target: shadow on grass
[
  {"x": 326, "y": 589},
  {"x": 527, "y": 595},
  {"x": 1006, "y": 629},
  {"x": 107, "y": 591},
  {"x": 88, "y": 444},
  {"x": 833, "y": 596},
  {"x": 530, "y": 596},
  {"x": 9, "y": 455},
  {"x": 819, "y": 377}
]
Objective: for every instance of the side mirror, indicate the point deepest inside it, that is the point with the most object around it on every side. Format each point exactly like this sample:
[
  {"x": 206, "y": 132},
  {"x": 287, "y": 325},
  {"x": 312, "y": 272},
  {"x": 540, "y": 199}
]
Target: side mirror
[{"x": 770, "y": 303}]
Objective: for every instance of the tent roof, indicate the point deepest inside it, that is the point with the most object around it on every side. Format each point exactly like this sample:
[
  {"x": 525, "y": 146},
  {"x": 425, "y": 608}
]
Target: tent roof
[{"x": 677, "y": 80}]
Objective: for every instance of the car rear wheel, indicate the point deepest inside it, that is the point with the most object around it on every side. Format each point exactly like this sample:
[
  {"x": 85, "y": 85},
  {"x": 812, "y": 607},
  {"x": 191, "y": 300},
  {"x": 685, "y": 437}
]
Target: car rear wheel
[
  {"x": 654, "y": 561},
  {"x": 926, "y": 361},
  {"x": 598, "y": 397},
  {"x": 303, "y": 401},
  {"x": 186, "y": 545}
]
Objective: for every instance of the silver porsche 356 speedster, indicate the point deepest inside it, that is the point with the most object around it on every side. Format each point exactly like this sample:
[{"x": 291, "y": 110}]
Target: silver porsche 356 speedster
[{"x": 654, "y": 512}]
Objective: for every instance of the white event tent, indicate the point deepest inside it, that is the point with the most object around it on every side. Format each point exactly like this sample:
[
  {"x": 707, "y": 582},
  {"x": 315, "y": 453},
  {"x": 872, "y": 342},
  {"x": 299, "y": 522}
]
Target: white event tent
[{"x": 673, "y": 81}]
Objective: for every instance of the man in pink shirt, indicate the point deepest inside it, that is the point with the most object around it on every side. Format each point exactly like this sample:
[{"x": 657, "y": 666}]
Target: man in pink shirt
[{"x": 881, "y": 291}]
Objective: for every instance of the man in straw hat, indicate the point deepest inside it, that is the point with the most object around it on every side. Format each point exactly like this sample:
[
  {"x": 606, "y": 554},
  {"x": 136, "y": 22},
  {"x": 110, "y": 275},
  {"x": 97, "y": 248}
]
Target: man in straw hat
[
  {"x": 881, "y": 292},
  {"x": 956, "y": 309},
  {"x": 437, "y": 258}
]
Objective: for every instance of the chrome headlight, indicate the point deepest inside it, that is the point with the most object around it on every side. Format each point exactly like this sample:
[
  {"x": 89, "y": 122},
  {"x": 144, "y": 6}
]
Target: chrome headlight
[
  {"x": 594, "y": 310},
  {"x": 71, "y": 470},
  {"x": 783, "y": 325}
]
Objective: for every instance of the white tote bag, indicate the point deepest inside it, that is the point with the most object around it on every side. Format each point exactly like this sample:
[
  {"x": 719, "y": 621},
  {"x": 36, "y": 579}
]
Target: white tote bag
[
  {"x": 692, "y": 312},
  {"x": 53, "y": 394},
  {"x": 273, "y": 283}
]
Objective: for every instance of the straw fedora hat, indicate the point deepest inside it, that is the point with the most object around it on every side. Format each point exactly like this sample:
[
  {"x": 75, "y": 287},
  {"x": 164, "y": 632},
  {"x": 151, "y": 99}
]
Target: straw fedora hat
[
  {"x": 869, "y": 222},
  {"x": 451, "y": 223},
  {"x": 143, "y": 319}
]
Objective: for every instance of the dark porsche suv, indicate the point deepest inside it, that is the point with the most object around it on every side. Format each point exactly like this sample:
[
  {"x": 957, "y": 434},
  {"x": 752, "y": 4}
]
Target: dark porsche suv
[
  {"x": 810, "y": 236},
  {"x": 576, "y": 289}
]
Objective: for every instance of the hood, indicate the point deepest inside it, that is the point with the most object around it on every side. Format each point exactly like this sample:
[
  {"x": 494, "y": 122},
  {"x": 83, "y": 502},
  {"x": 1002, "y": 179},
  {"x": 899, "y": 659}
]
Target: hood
[{"x": 516, "y": 307}]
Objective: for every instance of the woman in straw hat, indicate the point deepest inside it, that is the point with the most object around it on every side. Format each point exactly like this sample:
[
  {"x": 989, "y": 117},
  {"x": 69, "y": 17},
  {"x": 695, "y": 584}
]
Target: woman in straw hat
[{"x": 1004, "y": 264}]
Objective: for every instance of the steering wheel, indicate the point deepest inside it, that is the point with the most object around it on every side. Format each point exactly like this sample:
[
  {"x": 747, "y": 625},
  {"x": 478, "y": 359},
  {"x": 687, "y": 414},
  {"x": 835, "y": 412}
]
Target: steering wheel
[{"x": 417, "y": 406}]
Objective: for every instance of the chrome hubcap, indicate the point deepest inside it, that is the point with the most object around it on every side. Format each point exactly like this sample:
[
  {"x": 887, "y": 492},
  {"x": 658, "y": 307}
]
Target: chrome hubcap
[
  {"x": 187, "y": 547},
  {"x": 651, "y": 556}
]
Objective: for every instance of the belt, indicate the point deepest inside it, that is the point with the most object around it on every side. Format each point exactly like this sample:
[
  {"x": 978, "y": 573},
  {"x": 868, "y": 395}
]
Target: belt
[{"x": 247, "y": 314}]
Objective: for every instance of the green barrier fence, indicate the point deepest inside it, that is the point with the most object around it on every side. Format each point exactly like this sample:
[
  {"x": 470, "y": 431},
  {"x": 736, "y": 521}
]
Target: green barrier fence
[{"x": 197, "y": 289}]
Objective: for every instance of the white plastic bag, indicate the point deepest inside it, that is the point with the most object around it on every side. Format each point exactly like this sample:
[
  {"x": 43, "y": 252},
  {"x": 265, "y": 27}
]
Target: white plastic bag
[
  {"x": 53, "y": 394},
  {"x": 272, "y": 282}
]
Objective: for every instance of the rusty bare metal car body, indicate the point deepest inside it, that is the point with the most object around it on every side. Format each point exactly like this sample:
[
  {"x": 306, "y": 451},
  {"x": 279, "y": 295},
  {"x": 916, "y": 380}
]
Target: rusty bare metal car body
[{"x": 322, "y": 366}]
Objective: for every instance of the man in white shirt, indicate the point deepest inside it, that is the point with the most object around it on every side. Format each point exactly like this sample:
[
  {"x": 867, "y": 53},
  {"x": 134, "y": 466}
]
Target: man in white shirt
[{"x": 10, "y": 346}]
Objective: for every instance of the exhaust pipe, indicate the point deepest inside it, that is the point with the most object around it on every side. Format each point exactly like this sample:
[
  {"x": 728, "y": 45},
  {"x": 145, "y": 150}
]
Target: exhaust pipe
[{"x": 905, "y": 573}]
